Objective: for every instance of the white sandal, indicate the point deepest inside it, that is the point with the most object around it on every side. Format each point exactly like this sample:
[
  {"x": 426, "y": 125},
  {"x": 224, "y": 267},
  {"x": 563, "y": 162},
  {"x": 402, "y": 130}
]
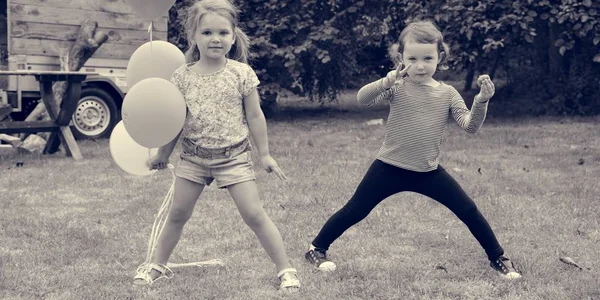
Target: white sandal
[
  {"x": 289, "y": 279},
  {"x": 143, "y": 274}
]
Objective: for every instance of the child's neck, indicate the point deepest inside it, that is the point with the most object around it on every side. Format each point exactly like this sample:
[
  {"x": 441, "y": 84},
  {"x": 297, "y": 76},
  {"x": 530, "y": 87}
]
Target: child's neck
[
  {"x": 209, "y": 66},
  {"x": 431, "y": 82}
]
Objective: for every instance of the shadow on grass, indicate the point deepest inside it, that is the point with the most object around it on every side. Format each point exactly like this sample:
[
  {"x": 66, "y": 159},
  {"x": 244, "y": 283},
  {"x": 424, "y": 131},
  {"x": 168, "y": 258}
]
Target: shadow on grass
[
  {"x": 322, "y": 112},
  {"x": 500, "y": 110},
  {"x": 346, "y": 107}
]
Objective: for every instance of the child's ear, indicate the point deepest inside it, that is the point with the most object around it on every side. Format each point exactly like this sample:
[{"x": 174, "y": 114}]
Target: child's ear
[
  {"x": 441, "y": 56},
  {"x": 400, "y": 58}
]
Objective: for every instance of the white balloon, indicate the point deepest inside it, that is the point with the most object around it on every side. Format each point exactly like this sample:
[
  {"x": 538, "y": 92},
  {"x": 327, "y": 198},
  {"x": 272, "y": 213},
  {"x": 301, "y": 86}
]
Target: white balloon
[
  {"x": 129, "y": 155},
  {"x": 154, "y": 59},
  {"x": 153, "y": 112}
]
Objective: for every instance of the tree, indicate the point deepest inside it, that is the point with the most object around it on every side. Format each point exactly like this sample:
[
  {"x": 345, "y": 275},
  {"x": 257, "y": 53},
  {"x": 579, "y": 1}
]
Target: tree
[
  {"x": 315, "y": 48},
  {"x": 548, "y": 49}
]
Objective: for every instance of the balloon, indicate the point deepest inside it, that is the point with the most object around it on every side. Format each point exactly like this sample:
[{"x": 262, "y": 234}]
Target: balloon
[
  {"x": 129, "y": 155},
  {"x": 153, "y": 112},
  {"x": 154, "y": 59},
  {"x": 150, "y": 9}
]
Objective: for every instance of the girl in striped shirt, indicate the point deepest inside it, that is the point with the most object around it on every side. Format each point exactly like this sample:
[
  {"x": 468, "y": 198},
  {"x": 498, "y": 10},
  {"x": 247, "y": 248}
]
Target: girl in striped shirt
[{"x": 408, "y": 159}]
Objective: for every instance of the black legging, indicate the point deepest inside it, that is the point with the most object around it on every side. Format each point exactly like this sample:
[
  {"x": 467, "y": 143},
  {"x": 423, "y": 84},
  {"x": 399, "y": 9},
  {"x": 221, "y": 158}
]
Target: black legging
[{"x": 383, "y": 180}]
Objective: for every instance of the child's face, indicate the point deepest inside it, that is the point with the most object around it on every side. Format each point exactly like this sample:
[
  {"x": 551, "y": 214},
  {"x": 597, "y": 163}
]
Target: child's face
[
  {"x": 424, "y": 59},
  {"x": 214, "y": 36}
]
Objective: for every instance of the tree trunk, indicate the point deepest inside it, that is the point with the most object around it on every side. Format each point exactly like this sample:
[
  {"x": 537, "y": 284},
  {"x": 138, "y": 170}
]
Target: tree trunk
[
  {"x": 86, "y": 44},
  {"x": 469, "y": 77},
  {"x": 495, "y": 65},
  {"x": 269, "y": 103},
  {"x": 556, "y": 63}
]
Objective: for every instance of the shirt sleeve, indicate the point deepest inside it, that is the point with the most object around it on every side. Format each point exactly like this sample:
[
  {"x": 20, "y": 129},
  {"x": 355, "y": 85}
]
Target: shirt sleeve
[
  {"x": 249, "y": 82},
  {"x": 469, "y": 120},
  {"x": 178, "y": 80},
  {"x": 374, "y": 92}
]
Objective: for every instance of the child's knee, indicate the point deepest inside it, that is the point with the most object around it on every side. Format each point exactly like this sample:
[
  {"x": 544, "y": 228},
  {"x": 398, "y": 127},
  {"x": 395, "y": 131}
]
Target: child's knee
[
  {"x": 255, "y": 218},
  {"x": 354, "y": 214},
  {"x": 179, "y": 216}
]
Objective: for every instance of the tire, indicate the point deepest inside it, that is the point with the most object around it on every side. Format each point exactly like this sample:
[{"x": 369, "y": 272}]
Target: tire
[{"x": 96, "y": 114}]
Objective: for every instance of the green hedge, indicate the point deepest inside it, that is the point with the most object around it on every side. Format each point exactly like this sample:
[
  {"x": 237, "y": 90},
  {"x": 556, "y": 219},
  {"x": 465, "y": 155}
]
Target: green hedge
[{"x": 547, "y": 51}]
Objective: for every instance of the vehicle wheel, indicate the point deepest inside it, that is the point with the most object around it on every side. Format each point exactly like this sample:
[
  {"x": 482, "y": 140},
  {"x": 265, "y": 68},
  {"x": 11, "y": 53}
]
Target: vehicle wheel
[{"x": 96, "y": 114}]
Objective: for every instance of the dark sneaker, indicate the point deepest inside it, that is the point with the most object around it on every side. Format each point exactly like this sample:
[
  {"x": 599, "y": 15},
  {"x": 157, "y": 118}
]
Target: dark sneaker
[
  {"x": 506, "y": 268},
  {"x": 318, "y": 258}
]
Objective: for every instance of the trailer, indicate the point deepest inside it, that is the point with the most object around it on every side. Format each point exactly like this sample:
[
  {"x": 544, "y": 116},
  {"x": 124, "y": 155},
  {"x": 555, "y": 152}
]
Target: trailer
[{"x": 37, "y": 35}]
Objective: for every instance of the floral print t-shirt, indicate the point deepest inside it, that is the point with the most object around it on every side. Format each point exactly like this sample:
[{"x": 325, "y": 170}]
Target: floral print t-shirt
[{"x": 215, "y": 117}]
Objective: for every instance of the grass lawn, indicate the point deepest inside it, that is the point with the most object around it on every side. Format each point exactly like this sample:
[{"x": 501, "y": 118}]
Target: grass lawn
[{"x": 78, "y": 230}]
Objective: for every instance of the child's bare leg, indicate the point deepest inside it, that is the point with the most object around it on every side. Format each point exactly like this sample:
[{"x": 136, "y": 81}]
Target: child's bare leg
[
  {"x": 186, "y": 193},
  {"x": 245, "y": 196}
]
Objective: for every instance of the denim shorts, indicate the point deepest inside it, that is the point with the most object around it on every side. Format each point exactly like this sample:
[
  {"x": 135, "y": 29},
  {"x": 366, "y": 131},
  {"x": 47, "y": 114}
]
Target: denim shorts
[{"x": 228, "y": 166}]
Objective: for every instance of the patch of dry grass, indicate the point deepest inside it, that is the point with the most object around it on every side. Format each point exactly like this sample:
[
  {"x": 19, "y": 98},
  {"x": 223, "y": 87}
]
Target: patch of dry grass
[{"x": 78, "y": 230}]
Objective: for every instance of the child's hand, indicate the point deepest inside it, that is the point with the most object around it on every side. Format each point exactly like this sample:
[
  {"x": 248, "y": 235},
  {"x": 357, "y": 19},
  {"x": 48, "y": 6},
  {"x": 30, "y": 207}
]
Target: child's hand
[
  {"x": 487, "y": 88},
  {"x": 394, "y": 75},
  {"x": 270, "y": 165},
  {"x": 158, "y": 162}
]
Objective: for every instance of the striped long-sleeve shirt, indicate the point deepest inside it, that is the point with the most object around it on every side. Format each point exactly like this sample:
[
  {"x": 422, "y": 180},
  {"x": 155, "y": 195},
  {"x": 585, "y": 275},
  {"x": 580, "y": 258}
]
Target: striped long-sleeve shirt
[{"x": 418, "y": 118}]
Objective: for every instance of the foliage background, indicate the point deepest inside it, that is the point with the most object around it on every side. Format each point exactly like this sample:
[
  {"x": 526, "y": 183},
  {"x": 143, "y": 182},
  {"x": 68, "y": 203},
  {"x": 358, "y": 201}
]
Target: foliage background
[{"x": 545, "y": 55}]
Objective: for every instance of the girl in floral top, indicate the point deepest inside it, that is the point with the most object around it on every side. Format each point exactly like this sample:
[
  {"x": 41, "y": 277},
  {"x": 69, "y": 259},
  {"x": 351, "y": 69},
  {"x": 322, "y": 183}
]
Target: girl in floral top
[{"x": 223, "y": 111}]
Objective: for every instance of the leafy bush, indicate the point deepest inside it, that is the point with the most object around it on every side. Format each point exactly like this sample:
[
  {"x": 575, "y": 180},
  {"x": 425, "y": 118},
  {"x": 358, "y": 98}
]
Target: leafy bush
[{"x": 545, "y": 49}]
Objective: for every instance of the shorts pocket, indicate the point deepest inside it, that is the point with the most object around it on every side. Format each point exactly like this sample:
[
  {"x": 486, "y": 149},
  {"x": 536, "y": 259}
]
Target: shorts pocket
[{"x": 248, "y": 157}]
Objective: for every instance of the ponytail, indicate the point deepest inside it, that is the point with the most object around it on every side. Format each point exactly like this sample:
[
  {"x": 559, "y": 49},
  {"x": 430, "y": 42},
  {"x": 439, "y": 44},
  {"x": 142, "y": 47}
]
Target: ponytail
[
  {"x": 192, "y": 54},
  {"x": 242, "y": 46}
]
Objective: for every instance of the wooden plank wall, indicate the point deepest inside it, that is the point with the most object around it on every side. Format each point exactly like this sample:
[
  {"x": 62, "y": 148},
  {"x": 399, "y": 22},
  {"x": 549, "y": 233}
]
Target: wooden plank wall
[{"x": 43, "y": 27}]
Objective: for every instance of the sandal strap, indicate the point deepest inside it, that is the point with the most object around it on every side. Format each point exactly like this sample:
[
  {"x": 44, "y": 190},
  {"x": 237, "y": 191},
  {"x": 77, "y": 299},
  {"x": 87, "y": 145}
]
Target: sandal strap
[
  {"x": 162, "y": 269},
  {"x": 143, "y": 272},
  {"x": 291, "y": 280},
  {"x": 288, "y": 270},
  {"x": 143, "y": 276},
  {"x": 289, "y": 283}
]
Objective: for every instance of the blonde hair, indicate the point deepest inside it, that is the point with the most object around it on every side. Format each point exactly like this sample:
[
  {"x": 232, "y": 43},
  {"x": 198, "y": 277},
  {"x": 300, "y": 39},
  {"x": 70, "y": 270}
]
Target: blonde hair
[
  {"x": 225, "y": 9},
  {"x": 424, "y": 32}
]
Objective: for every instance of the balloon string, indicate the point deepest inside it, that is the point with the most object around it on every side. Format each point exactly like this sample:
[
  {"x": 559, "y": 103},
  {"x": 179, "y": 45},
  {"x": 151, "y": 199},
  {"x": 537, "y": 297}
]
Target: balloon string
[
  {"x": 157, "y": 227},
  {"x": 150, "y": 31}
]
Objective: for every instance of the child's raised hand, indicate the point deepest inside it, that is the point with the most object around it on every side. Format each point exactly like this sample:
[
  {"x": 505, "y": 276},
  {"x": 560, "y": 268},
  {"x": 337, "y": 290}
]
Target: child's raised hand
[
  {"x": 392, "y": 76},
  {"x": 158, "y": 162},
  {"x": 270, "y": 165},
  {"x": 487, "y": 88}
]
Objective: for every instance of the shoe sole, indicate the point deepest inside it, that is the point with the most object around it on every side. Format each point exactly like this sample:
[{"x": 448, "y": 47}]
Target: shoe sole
[
  {"x": 511, "y": 275},
  {"x": 327, "y": 266}
]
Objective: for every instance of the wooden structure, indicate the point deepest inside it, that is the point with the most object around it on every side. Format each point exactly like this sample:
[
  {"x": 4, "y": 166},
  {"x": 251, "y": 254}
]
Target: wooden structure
[
  {"x": 4, "y": 111},
  {"x": 38, "y": 35},
  {"x": 59, "y": 125},
  {"x": 39, "y": 32},
  {"x": 42, "y": 27}
]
